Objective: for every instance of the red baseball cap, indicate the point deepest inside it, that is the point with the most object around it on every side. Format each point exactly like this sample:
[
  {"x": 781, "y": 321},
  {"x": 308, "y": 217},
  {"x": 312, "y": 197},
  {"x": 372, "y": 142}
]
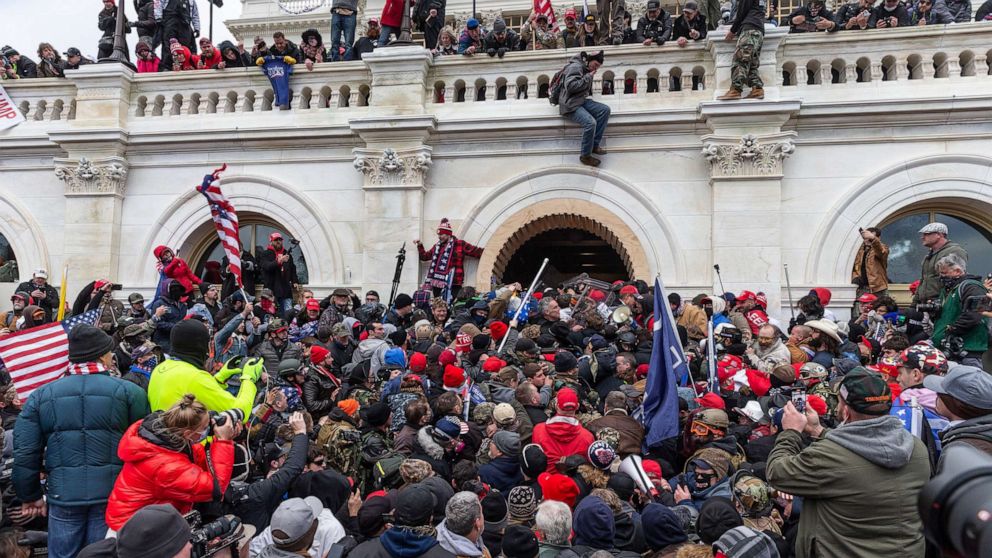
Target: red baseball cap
[
  {"x": 711, "y": 400},
  {"x": 418, "y": 362},
  {"x": 568, "y": 400},
  {"x": 746, "y": 295},
  {"x": 642, "y": 371},
  {"x": 274, "y": 236},
  {"x": 628, "y": 290},
  {"x": 557, "y": 486},
  {"x": 313, "y": 304},
  {"x": 493, "y": 365},
  {"x": 597, "y": 295},
  {"x": 867, "y": 298},
  {"x": 570, "y": 13},
  {"x": 651, "y": 468}
]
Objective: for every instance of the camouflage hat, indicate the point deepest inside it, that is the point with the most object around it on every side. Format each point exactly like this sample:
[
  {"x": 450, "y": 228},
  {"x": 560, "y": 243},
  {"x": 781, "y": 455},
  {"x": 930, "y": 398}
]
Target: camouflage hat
[
  {"x": 611, "y": 436},
  {"x": 482, "y": 413},
  {"x": 866, "y": 392},
  {"x": 414, "y": 470},
  {"x": 926, "y": 358},
  {"x": 813, "y": 371},
  {"x": 715, "y": 418},
  {"x": 275, "y": 324},
  {"x": 134, "y": 330},
  {"x": 340, "y": 330},
  {"x": 752, "y": 493}
]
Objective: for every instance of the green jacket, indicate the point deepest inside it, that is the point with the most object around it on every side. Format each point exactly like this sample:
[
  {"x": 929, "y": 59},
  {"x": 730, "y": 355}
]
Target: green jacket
[
  {"x": 969, "y": 325},
  {"x": 929, "y": 276},
  {"x": 173, "y": 379},
  {"x": 859, "y": 485}
]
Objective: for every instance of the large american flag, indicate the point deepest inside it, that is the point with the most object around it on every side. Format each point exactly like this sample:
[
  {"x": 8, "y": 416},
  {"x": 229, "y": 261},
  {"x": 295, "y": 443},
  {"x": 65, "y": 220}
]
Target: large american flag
[
  {"x": 39, "y": 355},
  {"x": 544, "y": 7},
  {"x": 225, "y": 220}
]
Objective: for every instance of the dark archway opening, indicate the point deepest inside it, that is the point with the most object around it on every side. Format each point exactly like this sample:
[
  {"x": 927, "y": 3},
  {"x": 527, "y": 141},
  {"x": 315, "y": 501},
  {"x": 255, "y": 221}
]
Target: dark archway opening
[{"x": 571, "y": 252}]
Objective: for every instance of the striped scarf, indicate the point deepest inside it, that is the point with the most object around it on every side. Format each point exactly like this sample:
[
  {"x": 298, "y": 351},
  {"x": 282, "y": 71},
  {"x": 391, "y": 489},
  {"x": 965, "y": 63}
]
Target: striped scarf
[
  {"x": 437, "y": 274},
  {"x": 82, "y": 368}
]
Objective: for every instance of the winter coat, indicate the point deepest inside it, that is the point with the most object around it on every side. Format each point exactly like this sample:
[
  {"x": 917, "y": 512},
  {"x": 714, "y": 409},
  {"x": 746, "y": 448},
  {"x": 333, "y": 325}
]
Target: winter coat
[
  {"x": 750, "y": 15},
  {"x": 976, "y": 432},
  {"x": 278, "y": 277},
  {"x": 767, "y": 359},
  {"x": 240, "y": 60},
  {"x": 69, "y": 429},
  {"x": 631, "y": 431},
  {"x": 511, "y": 41},
  {"x": 293, "y": 51},
  {"x": 172, "y": 379},
  {"x": 899, "y": 13},
  {"x": 272, "y": 356},
  {"x": 960, "y": 9},
  {"x": 569, "y": 38},
  {"x": 392, "y": 13},
  {"x": 872, "y": 261},
  {"x": 546, "y": 39},
  {"x": 875, "y": 457},
  {"x": 693, "y": 319},
  {"x": 405, "y": 439},
  {"x": 459, "y": 545},
  {"x": 54, "y": 68},
  {"x": 175, "y": 313},
  {"x": 317, "y": 390},
  {"x": 464, "y": 42},
  {"x": 658, "y": 30},
  {"x": 955, "y": 320},
  {"x": 26, "y": 68},
  {"x": 177, "y": 268},
  {"x": 502, "y": 473},
  {"x": 401, "y": 543},
  {"x": 682, "y": 26},
  {"x": 146, "y": 24},
  {"x": 265, "y": 495},
  {"x": 426, "y": 449},
  {"x": 149, "y": 66},
  {"x": 373, "y": 350},
  {"x": 929, "y": 276},
  {"x": 155, "y": 474},
  {"x": 984, "y": 12},
  {"x": 576, "y": 85},
  {"x": 50, "y": 304},
  {"x": 329, "y": 531},
  {"x": 561, "y": 436}
]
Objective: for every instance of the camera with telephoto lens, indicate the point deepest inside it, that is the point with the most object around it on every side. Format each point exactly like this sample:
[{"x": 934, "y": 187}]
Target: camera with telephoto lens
[
  {"x": 953, "y": 347},
  {"x": 209, "y": 539},
  {"x": 956, "y": 505},
  {"x": 731, "y": 336},
  {"x": 220, "y": 419},
  {"x": 931, "y": 307}
]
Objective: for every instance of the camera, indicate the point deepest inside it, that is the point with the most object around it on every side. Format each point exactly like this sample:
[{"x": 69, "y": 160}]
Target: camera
[
  {"x": 731, "y": 336},
  {"x": 220, "y": 419},
  {"x": 953, "y": 347},
  {"x": 955, "y": 504},
  {"x": 215, "y": 536},
  {"x": 930, "y": 307}
]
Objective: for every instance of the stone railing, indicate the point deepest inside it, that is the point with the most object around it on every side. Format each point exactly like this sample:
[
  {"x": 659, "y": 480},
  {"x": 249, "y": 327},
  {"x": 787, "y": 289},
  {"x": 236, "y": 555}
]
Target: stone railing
[
  {"x": 883, "y": 55},
  {"x": 629, "y": 72},
  {"x": 244, "y": 90},
  {"x": 821, "y": 67}
]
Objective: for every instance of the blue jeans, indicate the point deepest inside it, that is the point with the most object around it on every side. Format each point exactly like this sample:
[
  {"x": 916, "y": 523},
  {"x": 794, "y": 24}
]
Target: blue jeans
[
  {"x": 384, "y": 33},
  {"x": 70, "y": 529},
  {"x": 342, "y": 24},
  {"x": 593, "y": 117}
]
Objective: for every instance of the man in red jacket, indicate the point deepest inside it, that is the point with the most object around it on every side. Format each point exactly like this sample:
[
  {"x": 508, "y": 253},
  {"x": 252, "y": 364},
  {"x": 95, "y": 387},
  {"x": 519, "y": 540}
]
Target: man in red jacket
[
  {"x": 447, "y": 259},
  {"x": 562, "y": 435}
]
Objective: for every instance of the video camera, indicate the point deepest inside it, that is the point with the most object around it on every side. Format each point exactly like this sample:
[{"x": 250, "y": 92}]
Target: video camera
[{"x": 954, "y": 504}]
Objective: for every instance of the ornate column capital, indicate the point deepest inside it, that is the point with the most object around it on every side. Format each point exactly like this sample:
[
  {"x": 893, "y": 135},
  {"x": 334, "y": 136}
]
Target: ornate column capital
[
  {"x": 392, "y": 169},
  {"x": 750, "y": 156},
  {"x": 103, "y": 177}
]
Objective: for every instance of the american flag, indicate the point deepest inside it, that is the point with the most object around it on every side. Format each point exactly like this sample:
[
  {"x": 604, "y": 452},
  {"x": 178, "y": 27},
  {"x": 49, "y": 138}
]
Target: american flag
[
  {"x": 36, "y": 356},
  {"x": 225, "y": 220},
  {"x": 544, "y": 7}
]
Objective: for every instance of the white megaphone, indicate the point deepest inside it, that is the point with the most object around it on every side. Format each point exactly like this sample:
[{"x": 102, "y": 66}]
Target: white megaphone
[{"x": 632, "y": 467}]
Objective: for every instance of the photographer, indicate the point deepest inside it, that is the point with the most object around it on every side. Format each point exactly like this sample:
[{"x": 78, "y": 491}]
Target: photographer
[
  {"x": 256, "y": 502},
  {"x": 960, "y": 330},
  {"x": 656, "y": 25},
  {"x": 964, "y": 396},
  {"x": 154, "y": 531},
  {"x": 934, "y": 237},
  {"x": 888, "y": 14},
  {"x": 811, "y": 18},
  {"x": 164, "y": 460},
  {"x": 855, "y": 15}
]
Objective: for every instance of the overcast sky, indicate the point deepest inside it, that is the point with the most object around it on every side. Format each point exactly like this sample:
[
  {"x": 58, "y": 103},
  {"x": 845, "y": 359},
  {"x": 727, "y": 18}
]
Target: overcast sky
[{"x": 68, "y": 23}]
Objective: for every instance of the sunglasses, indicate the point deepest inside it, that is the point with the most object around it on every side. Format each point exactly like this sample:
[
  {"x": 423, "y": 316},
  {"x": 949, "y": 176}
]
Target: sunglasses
[{"x": 700, "y": 429}]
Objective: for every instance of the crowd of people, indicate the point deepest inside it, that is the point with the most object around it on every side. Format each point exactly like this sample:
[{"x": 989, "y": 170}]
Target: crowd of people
[
  {"x": 458, "y": 422},
  {"x": 168, "y": 32}
]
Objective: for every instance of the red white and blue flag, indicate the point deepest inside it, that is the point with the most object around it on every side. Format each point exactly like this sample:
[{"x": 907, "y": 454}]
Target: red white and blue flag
[
  {"x": 39, "y": 355},
  {"x": 544, "y": 7},
  {"x": 225, "y": 220}
]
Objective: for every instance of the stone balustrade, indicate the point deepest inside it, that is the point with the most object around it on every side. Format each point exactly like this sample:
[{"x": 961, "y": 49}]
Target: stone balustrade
[{"x": 807, "y": 67}]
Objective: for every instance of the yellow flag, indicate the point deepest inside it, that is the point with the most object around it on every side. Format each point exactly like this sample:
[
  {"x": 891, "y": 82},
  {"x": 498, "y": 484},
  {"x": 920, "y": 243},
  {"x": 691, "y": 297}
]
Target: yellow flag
[{"x": 62, "y": 302}]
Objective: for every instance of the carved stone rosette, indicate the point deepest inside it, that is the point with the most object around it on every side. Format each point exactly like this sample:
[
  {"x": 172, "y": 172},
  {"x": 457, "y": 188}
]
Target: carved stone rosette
[
  {"x": 392, "y": 168},
  {"x": 751, "y": 157},
  {"x": 86, "y": 177}
]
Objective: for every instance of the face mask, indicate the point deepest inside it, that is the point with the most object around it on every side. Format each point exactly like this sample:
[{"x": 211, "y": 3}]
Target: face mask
[
  {"x": 151, "y": 363},
  {"x": 892, "y": 9},
  {"x": 948, "y": 282},
  {"x": 204, "y": 434}
]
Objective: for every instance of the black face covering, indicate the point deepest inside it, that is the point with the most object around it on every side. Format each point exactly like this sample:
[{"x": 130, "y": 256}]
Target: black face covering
[{"x": 191, "y": 342}]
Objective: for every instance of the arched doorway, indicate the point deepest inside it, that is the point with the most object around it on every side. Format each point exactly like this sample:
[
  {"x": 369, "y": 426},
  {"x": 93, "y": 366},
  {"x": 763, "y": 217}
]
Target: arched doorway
[
  {"x": 254, "y": 230},
  {"x": 574, "y": 244}
]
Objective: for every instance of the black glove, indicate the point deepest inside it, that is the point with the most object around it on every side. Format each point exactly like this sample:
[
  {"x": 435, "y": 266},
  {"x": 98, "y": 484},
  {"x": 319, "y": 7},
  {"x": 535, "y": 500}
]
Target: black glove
[
  {"x": 491, "y": 52},
  {"x": 500, "y": 52},
  {"x": 617, "y": 40}
]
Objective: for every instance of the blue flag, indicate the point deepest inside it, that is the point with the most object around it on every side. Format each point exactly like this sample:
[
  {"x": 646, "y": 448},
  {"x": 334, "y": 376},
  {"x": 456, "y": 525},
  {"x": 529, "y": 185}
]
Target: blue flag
[{"x": 661, "y": 405}]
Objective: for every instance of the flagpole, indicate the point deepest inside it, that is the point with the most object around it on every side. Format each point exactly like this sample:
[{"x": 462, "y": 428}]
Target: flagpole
[
  {"x": 523, "y": 301},
  {"x": 62, "y": 293}
]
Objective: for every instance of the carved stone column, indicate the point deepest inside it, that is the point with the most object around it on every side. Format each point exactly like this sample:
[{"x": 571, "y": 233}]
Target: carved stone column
[
  {"x": 94, "y": 194},
  {"x": 746, "y": 152}
]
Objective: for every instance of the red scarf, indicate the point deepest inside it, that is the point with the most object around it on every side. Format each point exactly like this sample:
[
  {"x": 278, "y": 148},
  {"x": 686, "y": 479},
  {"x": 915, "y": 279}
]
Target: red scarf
[{"x": 83, "y": 368}]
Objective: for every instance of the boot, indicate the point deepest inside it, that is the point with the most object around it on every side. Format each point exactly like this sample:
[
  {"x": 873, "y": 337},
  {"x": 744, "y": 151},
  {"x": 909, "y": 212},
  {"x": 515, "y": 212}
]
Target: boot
[
  {"x": 756, "y": 93},
  {"x": 599, "y": 151},
  {"x": 731, "y": 95},
  {"x": 589, "y": 160}
]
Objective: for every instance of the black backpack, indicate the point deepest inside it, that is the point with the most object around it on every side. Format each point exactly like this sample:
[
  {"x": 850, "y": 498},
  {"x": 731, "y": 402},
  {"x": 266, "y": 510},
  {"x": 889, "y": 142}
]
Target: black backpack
[{"x": 555, "y": 86}]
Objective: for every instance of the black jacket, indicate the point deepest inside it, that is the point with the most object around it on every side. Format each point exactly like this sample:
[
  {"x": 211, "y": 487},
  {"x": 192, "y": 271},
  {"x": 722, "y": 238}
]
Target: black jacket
[
  {"x": 278, "y": 277},
  {"x": 317, "y": 390},
  {"x": 363, "y": 46},
  {"x": 682, "y": 26},
  {"x": 264, "y": 496},
  {"x": 241, "y": 60},
  {"x": 808, "y": 26},
  {"x": 511, "y": 41},
  {"x": 658, "y": 30},
  {"x": 845, "y": 14},
  {"x": 50, "y": 304},
  {"x": 984, "y": 11},
  {"x": 374, "y": 549},
  {"x": 290, "y": 50},
  {"x": 146, "y": 24},
  {"x": 750, "y": 15},
  {"x": 899, "y": 13}
]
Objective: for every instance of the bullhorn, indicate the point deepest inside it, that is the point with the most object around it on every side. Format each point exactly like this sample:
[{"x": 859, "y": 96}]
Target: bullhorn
[
  {"x": 621, "y": 315},
  {"x": 633, "y": 467}
]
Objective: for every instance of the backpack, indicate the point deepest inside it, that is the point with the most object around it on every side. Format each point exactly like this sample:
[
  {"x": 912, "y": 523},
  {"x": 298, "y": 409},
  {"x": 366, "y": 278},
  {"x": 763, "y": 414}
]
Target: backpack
[{"x": 555, "y": 86}]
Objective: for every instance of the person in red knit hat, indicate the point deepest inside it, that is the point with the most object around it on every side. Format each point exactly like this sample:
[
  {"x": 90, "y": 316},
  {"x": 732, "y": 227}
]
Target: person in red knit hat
[
  {"x": 562, "y": 435},
  {"x": 447, "y": 259},
  {"x": 171, "y": 266},
  {"x": 321, "y": 385}
]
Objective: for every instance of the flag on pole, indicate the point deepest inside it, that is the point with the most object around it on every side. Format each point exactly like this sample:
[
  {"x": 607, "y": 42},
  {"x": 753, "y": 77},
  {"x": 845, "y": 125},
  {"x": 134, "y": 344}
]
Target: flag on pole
[
  {"x": 585, "y": 9},
  {"x": 62, "y": 293},
  {"x": 225, "y": 220},
  {"x": 661, "y": 405},
  {"x": 714, "y": 379},
  {"x": 39, "y": 355},
  {"x": 544, "y": 7}
]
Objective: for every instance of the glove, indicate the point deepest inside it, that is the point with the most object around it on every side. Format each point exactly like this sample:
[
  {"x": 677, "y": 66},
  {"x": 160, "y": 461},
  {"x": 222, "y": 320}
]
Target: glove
[
  {"x": 500, "y": 52},
  {"x": 617, "y": 40},
  {"x": 252, "y": 370},
  {"x": 491, "y": 52},
  {"x": 231, "y": 368}
]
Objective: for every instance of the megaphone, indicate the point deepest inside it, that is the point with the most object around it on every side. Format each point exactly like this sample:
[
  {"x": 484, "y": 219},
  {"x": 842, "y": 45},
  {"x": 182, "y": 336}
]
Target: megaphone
[
  {"x": 621, "y": 315},
  {"x": 633, "y": 467}
]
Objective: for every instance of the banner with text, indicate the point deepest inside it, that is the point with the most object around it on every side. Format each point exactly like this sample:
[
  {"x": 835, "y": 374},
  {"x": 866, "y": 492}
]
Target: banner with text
[{"x": 10, "y": 116}]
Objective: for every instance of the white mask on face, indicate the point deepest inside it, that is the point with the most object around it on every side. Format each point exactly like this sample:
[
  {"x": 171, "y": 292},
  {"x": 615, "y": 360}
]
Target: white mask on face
[{"x": 892, "y": 9}]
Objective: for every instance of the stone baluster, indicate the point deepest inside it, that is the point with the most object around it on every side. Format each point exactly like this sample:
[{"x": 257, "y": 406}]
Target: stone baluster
[
  {"x": 902, "y": 68},
  {"x": 686, "y": 81},
  {"x": 929, "y": 71},
  {"x": 642, "y": 84},
  {"x": 469, "y": 93},
  {"x": 826, "y": 74},
  {"x": 876, "y": 71},
  {"x": 851, "y": 72},
  {"x": 953, "y": 66},
  {"x": 353, "y": 98},
  {"x": 981, "y": 65},
  {"x": 511, "y": 91}
]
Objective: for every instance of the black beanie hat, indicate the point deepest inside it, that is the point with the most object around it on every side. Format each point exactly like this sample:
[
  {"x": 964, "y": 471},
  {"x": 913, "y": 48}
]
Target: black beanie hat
[
  {"x": 533, "y": 460},
  {"x": 88, "y": 343},
  {"x": 402, "y": 300},
  {"x": 377, "y": 414},
  {"x": 190, "y": 342},
  {"x": 398, "y": 337},
  {"x": 481, "y": 342},
  {"x": 525, "y": 345},
  {"x": 519, "y": 542},
  {"x": 716, "y": 516}
]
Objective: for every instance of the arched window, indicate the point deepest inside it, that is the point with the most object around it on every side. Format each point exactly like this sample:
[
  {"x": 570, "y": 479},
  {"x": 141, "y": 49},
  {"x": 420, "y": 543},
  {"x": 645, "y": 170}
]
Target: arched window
[
  {"x": 254, "y": 232},
  {"x": 8, "y": 262},
  {"x": 901, "y": 233}
]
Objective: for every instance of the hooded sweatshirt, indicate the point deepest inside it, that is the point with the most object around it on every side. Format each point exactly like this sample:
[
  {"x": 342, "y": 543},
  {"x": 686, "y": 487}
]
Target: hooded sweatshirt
[
  {"x": 403, "y": 543},
  {"x": 882, "y": 441},
  {"x": 593, "y": 524},
  {"x": 561, "y": 436},
  {"x": 457, "y": 544}
]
